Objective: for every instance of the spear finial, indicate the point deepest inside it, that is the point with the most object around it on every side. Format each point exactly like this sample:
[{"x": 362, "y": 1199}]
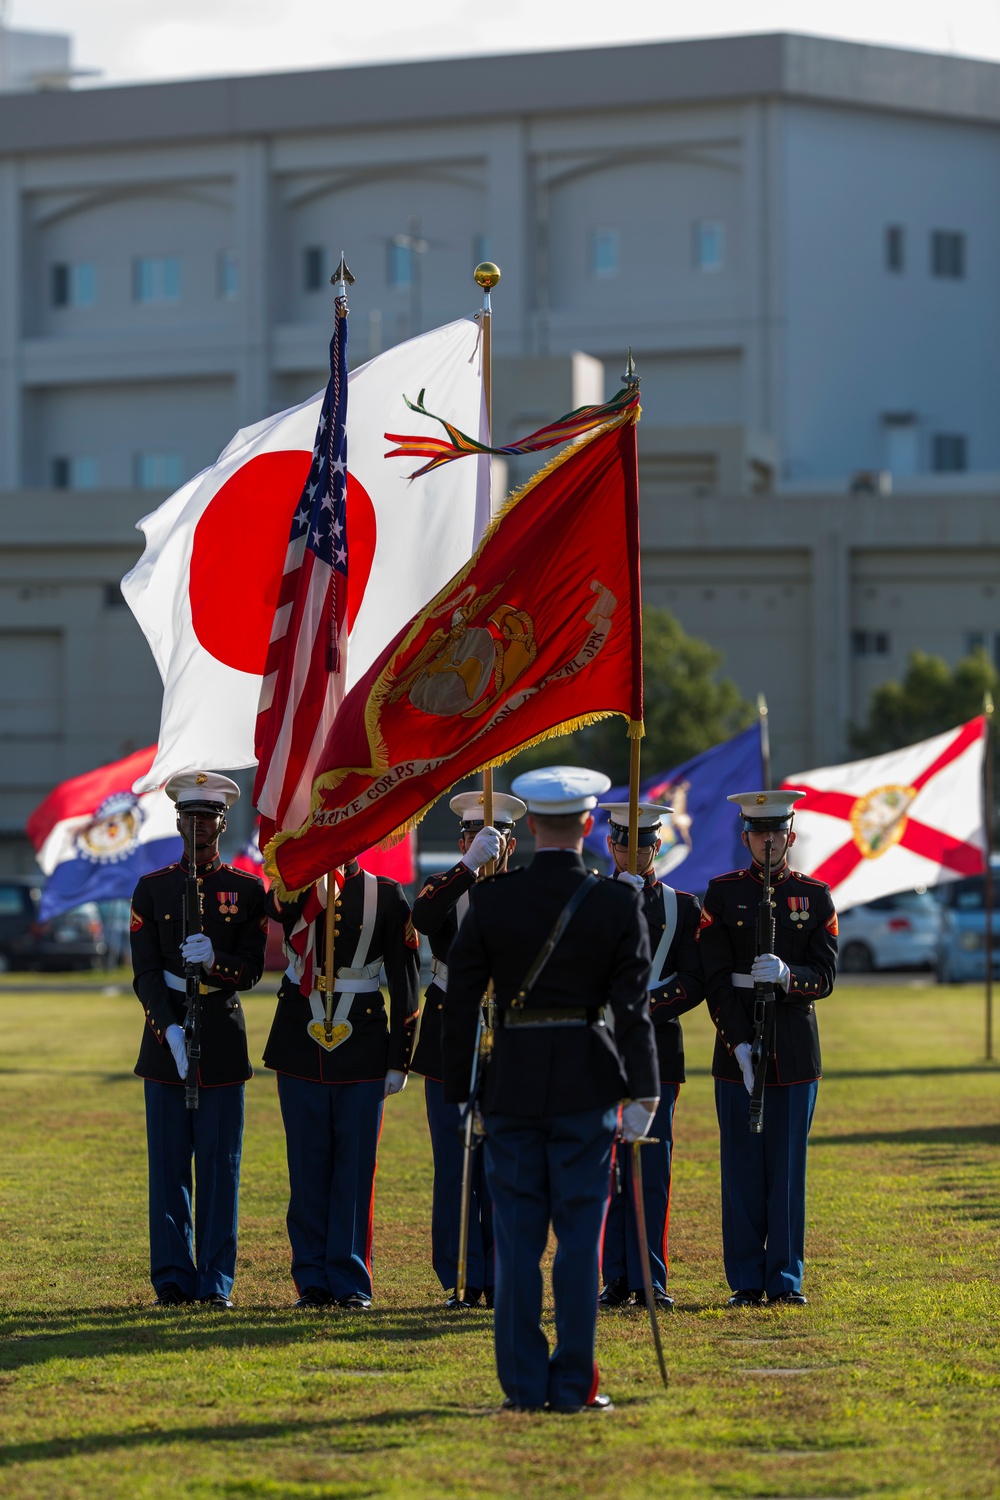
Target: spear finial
[{"x": 630, "y": 379}]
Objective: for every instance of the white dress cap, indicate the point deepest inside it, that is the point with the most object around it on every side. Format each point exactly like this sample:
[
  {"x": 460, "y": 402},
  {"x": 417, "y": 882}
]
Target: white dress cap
[
  {"x": 202, "y": 789},
  {"x": 770, "y": 807},
  {"x": 554, "y": 790},
  {"x": 651, "y": 814},
  {"x": 469, "y": 807}
]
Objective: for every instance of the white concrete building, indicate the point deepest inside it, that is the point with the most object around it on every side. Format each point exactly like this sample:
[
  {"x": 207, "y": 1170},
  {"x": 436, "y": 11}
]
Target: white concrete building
[{"x": 796, "y": 235}]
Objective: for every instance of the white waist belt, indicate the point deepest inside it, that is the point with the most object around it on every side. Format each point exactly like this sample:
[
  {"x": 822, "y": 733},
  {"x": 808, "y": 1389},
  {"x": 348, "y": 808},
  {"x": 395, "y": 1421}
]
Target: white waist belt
[
  {"x": 440, "y": 971},
  {"x": 741, "y": 981},
  {"x": 175, "y": 982},
  {"x": 347, "y": 981}
]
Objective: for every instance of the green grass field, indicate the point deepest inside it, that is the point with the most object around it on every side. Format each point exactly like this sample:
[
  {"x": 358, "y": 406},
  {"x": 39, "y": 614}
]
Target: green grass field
[{"x": 886, "y": 1385}]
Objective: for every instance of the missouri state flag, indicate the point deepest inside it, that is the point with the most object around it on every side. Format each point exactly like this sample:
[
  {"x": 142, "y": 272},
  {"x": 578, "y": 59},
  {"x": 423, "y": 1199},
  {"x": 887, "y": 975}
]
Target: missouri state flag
[
  {"x": 93, "y": 836},
  {"x": 913, "y": 817},
  {"x": 538, "y": 634},
  {"x": 206, "y": 588}
]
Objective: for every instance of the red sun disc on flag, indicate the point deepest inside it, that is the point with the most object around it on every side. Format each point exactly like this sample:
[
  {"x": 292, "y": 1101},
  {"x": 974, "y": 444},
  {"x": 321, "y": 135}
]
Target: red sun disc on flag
[{"x": 238, "y": 555}]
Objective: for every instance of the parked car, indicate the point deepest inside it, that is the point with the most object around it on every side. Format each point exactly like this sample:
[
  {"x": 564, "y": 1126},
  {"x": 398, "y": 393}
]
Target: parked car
[
  {"x": 901, "y": 931},
  {"x": 962, "y": 950},
  {"x": 74, "y": 940}
]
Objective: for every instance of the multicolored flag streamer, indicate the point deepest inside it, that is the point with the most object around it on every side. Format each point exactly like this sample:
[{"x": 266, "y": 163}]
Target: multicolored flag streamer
[{"x": 440, "y": 451}]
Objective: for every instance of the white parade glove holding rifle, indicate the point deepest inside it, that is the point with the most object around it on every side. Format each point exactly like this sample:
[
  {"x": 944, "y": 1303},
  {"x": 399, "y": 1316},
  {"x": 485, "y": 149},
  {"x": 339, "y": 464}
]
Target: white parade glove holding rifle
[
  {"x": 768, "y": 968},
  {"x": 197, "y": 949}
]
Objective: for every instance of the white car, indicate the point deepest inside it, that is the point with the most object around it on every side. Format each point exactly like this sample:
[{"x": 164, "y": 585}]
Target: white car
[{"x": 902, "y": 931}]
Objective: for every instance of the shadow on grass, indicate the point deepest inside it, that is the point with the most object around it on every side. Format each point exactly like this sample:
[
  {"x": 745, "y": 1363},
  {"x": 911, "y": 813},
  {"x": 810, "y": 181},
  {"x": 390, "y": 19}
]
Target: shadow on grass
[
  {"x": 938, "y": 1135},
  {"x": 32, "y": 1338},
  {"x": 231, "y": 1432}
]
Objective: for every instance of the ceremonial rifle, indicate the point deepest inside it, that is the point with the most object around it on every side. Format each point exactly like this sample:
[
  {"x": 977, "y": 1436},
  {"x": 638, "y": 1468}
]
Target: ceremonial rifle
[
  {"x": 763, "y": 1000},
  {"x": 194, "y": 985}
]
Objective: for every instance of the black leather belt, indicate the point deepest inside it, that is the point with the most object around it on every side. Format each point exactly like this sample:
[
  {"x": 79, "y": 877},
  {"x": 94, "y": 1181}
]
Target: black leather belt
[{"x": 563, "y": 1015}]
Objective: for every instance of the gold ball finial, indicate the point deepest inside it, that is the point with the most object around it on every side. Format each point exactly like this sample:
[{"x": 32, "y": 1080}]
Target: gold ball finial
[{"x": 486, "y": 275}]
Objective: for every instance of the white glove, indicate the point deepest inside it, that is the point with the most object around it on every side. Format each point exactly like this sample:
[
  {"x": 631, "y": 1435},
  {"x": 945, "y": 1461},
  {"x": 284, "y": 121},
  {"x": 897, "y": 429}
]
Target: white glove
[
  {"x": 395, "y": 1082},
  {"x": 197, "y": 949},
  {"x": 637, "y": 1117},
  {"x": 634, "y": 880},
  {"x": 742, "y": 1056},
  {"x": 768, "y": 968},
  {"x": 174, "y": 1037},
  {"x": 485, "y": 846}
]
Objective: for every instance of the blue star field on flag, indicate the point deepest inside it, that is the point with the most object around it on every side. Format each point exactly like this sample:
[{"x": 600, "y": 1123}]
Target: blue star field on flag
[{"x": 322, "y": 511}]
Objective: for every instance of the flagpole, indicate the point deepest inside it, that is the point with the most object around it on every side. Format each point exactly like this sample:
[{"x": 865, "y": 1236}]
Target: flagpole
[
  {"x": 631, "y": 382},
  {"x": 765, "y": 740},
  {"x": 988, "y": 892},
  {"x": 339, "y": 281},
  {"x": 486, "y": 276}
]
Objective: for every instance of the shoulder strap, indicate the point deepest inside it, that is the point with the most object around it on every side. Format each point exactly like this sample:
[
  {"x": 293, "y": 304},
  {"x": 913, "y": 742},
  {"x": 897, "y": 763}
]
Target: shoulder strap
[
  {"x": 562, "y": 922},
  {"x": 666, "y": 938}
]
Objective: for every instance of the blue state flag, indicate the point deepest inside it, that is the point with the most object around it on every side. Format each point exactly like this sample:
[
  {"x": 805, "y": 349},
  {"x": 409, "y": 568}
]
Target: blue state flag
[{"x": 701, "y": 838}]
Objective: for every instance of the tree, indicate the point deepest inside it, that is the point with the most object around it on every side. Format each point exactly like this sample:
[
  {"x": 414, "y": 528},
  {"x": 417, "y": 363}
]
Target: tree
[
  {"x": 687, "y": 709},
  {"x": 930, "y": 699}
]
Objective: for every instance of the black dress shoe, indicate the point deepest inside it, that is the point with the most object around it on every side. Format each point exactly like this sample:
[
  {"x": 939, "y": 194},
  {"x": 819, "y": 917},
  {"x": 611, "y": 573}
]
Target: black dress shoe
[
  {"x": 615, "y": 1294},
  {"x": 788, "y": 1299},
  {"x": 488, "y": 1296},
  {"x": 663, "y": 1302},
  {"x": 595, "y": 1404},
  {"x": 216, "y": 1299},
  {"x": 355, "y": 1303},
  {"x": 172, "y": 1296},
  {"x": 508, "y": 1405},
  {"x": 312, "y": 1297},
  {"x": 471, "y": 1298},
  {"x": 747, "y": 1297}
]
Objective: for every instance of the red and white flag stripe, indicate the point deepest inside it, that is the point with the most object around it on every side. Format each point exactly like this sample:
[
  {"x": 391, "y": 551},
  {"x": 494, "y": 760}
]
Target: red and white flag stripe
[{"x": 913, "y": 817}]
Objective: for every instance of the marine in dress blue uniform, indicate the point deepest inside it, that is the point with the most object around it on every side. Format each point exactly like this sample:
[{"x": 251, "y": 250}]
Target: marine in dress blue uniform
[
  {"x": 764, "y": 1175},
  {"x": 332, "y": 1099},
  {"x": 437, "y": 912},
  {"x": 193, "y": 1257},
  {"x": 676, "y": 985},
  {"x": 554, "y": 1082}
]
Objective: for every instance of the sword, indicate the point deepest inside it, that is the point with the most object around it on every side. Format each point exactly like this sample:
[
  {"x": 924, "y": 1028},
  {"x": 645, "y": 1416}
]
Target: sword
[{"x": 647, "y": 1275}]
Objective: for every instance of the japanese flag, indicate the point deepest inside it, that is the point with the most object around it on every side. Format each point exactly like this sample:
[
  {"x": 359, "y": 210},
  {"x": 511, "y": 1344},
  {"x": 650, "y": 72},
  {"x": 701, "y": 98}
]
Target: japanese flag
[
  {"x": 911, "y": 818},
  {"x": 205, "y": 588}
]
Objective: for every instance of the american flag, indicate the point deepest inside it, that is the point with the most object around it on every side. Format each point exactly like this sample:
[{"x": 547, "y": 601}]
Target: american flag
[{"x": 306, "y": 667}]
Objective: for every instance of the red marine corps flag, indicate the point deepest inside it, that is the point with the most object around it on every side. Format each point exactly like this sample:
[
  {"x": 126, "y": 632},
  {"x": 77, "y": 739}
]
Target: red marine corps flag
[
  {"x": 911, "y": 818},
  {"x": 538, "y": 634}
]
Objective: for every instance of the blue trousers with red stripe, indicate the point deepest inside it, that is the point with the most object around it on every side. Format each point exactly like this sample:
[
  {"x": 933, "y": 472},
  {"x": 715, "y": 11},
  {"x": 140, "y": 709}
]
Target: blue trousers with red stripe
[
  {"x": 556, "y": 1170},
  {"x": 620, "y": 1251},
  {"x": 444, "y": 1122},
  {"x": 196, "y": 1253},
  {"x": 331, "y": 1138},
  {"x": 764, "y": 1186}
]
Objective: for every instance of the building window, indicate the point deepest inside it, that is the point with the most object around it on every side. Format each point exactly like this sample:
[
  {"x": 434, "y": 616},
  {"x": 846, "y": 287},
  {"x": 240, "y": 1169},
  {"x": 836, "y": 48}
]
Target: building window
[
  {"x": 399, "y": 261},
  {"x": 227, "y": 275},
  {"x": 74, "y": 285},
  {"x": 869, "y": 643},
  {"x": 709, "y": 244},
  {"x": 113, "y": 596},
  {"x": 948, "y": 254},
  {"x": 157, "y": 471},
  {"x": 895, "y": 246},
  {"x": 984, "y": 640},
  {"x": 313, "y": 261},
  {"x": 604, "y": 252},
  {"x": 74, "y": 473},
  {"x": 156, "y": 278},
  {"x": 949, "y": 453}
]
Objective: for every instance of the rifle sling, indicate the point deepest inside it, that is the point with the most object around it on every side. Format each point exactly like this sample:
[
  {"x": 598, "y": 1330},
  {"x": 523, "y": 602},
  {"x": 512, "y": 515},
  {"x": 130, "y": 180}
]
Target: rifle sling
[{"x": 562, "y": 922}]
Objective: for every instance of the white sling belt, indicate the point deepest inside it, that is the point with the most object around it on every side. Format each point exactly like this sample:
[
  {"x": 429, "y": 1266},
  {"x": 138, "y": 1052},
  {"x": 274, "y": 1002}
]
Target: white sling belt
[
  {"x": 361, "y": 978},
  {"x": 438, "y": 966},
  {"x": 663, "y": 946}
]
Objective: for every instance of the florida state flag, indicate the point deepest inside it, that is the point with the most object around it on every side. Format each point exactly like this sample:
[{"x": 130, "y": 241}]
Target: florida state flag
[{"x": 537, "y": 635}]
